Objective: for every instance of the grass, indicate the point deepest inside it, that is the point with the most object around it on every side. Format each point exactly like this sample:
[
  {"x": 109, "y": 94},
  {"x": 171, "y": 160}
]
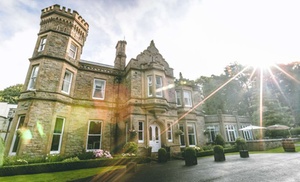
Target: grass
[
  {"x": 83, "y": 173},
  {"x": 60, "y": 176}
]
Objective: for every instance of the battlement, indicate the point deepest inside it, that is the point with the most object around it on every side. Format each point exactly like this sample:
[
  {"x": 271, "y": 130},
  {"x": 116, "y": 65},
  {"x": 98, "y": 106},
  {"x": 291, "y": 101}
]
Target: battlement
[{"x": 68, "y": 12}]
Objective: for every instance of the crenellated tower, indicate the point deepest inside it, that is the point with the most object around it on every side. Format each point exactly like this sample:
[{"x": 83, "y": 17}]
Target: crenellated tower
[{"x": 62, "y": 34}]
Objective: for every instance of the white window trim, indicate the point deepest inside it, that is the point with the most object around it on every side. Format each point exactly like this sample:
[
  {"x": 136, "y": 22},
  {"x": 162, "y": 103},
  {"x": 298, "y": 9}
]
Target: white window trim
[
  {"x": 15, "y": 136},
  {"x": 100, "y": 134},
  {"x": 73, "y": 52},
  {"x": 69, "y": 82},
  {"x": 158, "y": 86},
  {"x": 141, "y": 131},
  {"x": 42, "y": 43},
  {"x": 103, "y": 89},
  {"x": 181, "y": 127},
  {"x": 61, "y": 135},
  {"x": 150, "y": 85},
  {"x": 33, "y": 77},
  {"x": 194, "y": 133},
  {"x": 178, "y": 97},
  {"x": 189, "y": 98},
  {"x": 229, "y": 129},
  {"x": 170, "y": 132}
]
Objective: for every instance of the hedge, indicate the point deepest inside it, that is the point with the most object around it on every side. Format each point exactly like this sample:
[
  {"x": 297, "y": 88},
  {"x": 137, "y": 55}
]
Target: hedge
[{"x": 66, "y": 166}]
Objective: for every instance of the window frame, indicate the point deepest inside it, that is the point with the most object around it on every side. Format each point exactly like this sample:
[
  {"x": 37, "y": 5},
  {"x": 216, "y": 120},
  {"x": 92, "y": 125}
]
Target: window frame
[
  {"x": 102, "y": 91},
  {"x": 231, "y": 132},
  {"x": 187, "y": 99},
  {"x": 141, "y": 132},
  {"x": 73, "y": 48},
  {"x": 99, "y": 135},
  {"x": 57, "y": 134},
  {"x": 68, "y": 82},
  {"x": 158, "y": 86},
  {"x": 150, "y": 86},
  {"x": 15, "y": 144},
  {"x": 213, "y": 130},
  {"x": 169, "y": 132},
  {"x": 181, "y": 137},
  {"x": 178, "y": 97},
  {"x": 247, "y": 134},
  {"x": 194, "y": 134},
  {"x": 33, "y": 77},
  {"x": 42, "y": 44}
]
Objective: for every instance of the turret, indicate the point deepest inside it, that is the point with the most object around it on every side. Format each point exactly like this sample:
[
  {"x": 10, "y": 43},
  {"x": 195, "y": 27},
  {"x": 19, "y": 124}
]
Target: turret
[
  {"x": 120, "y": 59},
  {"x": 62, "y": 34}
]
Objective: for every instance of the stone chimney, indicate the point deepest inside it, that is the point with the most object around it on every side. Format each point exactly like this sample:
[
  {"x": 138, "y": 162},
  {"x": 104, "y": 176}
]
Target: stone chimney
[{"x": 120, "y": 59}]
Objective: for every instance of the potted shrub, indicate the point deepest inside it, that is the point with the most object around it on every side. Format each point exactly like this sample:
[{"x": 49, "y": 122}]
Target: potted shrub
[
  {"x": 220, "y": 140},
  {"x": 241, "y": 145},
  {"x": 219, "y": 153},
  {"x": 162, "y": 155},
  {"x": 190, "y": 156}
]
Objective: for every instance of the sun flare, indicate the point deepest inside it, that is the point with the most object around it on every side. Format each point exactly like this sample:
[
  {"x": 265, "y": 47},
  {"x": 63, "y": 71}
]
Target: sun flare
[{"x": 263, "y": 64}]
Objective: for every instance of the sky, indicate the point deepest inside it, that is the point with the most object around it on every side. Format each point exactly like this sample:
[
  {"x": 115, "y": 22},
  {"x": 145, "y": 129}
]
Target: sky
[{"x": 196, "y": 37}]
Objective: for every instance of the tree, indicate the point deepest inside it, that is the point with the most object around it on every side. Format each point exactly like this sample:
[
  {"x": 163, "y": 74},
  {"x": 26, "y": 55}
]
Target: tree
[{"x": 11, "y": 94}]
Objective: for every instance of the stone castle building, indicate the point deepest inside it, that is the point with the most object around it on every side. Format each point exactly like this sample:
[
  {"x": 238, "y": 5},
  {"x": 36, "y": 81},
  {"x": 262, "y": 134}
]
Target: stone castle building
[{"x": 69, "y": 105}]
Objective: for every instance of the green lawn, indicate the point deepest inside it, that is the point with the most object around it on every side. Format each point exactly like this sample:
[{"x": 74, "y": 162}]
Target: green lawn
[
  {"x": 60, "y": 176},
  {"x": 82, "y": 173}
]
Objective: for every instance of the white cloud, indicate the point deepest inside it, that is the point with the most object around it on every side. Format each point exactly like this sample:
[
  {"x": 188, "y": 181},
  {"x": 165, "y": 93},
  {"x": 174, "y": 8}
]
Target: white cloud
[{"x": 195, "y": 37}]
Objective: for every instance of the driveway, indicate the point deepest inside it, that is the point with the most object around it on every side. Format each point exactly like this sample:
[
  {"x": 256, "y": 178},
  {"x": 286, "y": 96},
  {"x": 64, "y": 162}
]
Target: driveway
[{"x": 258, "y": 168}]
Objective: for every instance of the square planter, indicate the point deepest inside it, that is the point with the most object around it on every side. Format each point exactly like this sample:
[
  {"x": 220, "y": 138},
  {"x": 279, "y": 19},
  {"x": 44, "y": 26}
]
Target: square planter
[{"x": 244, "y": 153}]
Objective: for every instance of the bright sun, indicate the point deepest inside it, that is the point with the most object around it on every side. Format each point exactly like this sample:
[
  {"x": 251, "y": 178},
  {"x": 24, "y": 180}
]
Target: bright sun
[{"x": 264, "y": 64}]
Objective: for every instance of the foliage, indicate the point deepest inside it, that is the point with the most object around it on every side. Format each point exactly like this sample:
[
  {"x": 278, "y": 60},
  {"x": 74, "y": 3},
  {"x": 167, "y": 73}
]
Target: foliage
[
  {"x": 71, "y": 159},
  {"x": 207, "y": 147},
  {"x": 162, "y": 155},
  {"x": 219, "y": 140},
  {"x": 218, "y": 149},
  {"x": 1, "y": 151},
  {"x": 102, "y": 154},
  {"x": 130, "y": 147},
  {"x": 11, "y": 94},
  {"x": 86, "y": 155},
  {"x": 54, "y": 158},
  {"x": 190, "y": 156},
  {"x": 241, "y": 143}
]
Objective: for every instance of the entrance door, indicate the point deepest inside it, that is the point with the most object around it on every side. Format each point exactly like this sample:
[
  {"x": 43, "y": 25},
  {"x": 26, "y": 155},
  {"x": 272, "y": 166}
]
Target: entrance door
[{"x": 154, "y": 137}]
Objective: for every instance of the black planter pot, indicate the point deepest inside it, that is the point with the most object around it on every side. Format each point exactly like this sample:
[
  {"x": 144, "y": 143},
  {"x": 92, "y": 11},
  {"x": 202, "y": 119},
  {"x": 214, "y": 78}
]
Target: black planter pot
[
  {"x": 189, "y": 161},
  {"x": 244, "y": 153},
  {"x": 219, "y": 157}
]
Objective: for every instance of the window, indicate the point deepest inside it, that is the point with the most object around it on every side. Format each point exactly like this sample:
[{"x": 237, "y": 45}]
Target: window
[
  {"x": 66, "y": 86},
  {"x": 72, "y": 50},
  {"x": 94, "y": 135},
  {"x": 16, "y": 138},
  {"x": 159, "y": 85},
  {"x": 57, "y": 135},
  {"x": 230, "y": 133},
  {"x": 178, "y": 98},
  {"x": 191, "y": 134},
  {"x": 187, "y": 98},
  {"x": 33, "y": 76},
  {"x": 169, "y": 132},
  {"x": 141, "y": 132},
  {"x": 42, "y": 44},
  {"x": 247, "y": 134},
  {"x": 99, "y": 89},
  {"x": 212, "y": 132},
  {"x": 150, "y": 86},
  {"x": 181, "y": 138}
]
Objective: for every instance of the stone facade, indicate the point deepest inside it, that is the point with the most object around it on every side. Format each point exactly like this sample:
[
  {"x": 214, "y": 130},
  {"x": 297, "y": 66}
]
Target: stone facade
[{"x": 69, "y": 105}]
